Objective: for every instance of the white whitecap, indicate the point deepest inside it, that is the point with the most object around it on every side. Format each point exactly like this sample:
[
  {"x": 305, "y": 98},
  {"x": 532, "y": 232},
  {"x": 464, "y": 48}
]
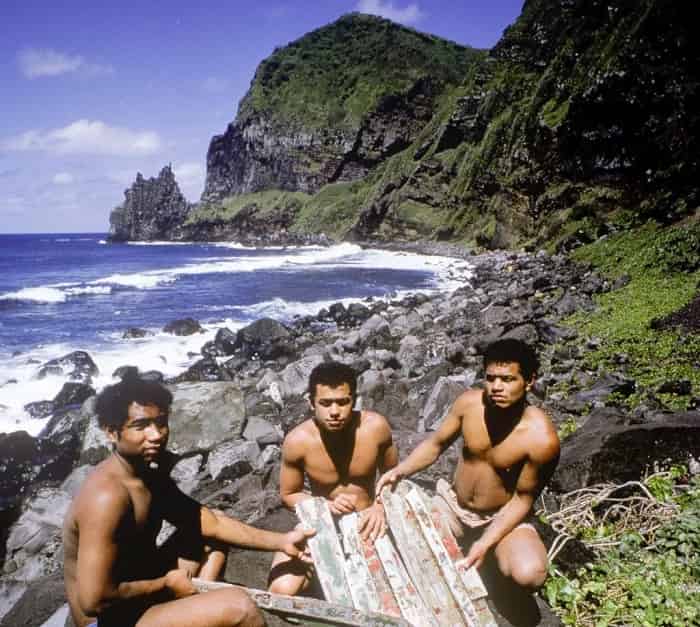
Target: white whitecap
[{"x": 36, "y": 294}]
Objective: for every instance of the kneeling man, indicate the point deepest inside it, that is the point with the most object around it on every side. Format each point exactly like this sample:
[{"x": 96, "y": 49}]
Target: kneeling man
[
  {"x": 114, "y": 573},
  {"x": 339, "y": 451},
  {"x": 510, "y": 451}
]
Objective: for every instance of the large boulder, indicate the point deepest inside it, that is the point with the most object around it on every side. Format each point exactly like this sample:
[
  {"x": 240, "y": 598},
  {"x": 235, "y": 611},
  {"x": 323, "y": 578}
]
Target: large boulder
[
  {"x": 265, "y": 339},
  {"x": 604, "y": 450},
  {"x": 33, "y": 548},
  {"x": 183, "y": 326},
  {"x": 77, "y": 366},
  {"x": 205, "y": 414}
]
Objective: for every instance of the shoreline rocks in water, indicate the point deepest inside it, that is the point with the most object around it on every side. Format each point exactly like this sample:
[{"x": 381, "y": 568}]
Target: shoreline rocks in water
[{"x": 413, "y": 357}]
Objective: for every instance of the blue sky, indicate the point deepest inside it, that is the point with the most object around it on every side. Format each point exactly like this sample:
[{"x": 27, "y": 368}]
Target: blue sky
[{"x": 91, "y": 92}]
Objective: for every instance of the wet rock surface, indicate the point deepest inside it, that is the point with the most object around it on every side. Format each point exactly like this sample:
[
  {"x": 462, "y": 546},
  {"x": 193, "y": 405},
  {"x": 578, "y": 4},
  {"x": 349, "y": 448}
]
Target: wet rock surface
[{"x": 414, "y": 357}]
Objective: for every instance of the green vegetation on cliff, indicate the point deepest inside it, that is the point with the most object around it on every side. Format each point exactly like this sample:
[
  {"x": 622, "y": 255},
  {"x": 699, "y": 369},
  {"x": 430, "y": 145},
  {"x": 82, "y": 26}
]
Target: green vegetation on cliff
[
  {"x": 662, "y": 266},
  {"x": 336, "y": 74},
  {"x": 265, "y": 203}
]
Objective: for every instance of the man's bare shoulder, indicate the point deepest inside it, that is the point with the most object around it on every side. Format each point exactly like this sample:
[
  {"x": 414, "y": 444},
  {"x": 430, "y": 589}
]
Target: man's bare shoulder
[
  {"x": 102, "y": 492},
  {"x": 299, "y": 440},
  {"x": 375, "y": 424},
  {"x": 470, "y": 400},
  {"x": 541, "y": 434}
]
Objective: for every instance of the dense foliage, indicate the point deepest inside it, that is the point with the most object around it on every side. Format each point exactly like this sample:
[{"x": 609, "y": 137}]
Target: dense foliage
[
  {"x": 646, "y": 575},
  {"x": 336, "y": 74},
  {"x": 662, "y": 267}
]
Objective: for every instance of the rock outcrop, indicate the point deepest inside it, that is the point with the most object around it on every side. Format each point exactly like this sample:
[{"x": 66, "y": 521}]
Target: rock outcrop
[
  {"x": 331, "y": 106},
  {"x": 153, "y": 209}
]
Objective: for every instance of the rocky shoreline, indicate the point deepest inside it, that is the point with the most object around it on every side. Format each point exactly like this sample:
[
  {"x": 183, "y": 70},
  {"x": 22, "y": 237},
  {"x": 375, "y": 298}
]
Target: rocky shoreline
[{"x": 415, "y": 355}]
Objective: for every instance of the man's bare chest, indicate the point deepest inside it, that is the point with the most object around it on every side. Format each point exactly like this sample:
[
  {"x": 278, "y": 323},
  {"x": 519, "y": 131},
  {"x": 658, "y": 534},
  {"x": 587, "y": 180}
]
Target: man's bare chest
[
  {"x": 342, "y": 465},
  {"x": 504, "y": 455}
]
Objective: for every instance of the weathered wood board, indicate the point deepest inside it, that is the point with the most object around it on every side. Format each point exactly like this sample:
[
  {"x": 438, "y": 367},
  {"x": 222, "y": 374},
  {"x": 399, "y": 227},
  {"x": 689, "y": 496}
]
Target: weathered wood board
[
  {"x": 465, "y": 595},
  {"x": 419, "y": 560},
  {"x": 326, "y": 550},
  {"x": 360, "y": 581},
  {"x": 306, "y": 607},
  {"x": 411, "y": 574}
]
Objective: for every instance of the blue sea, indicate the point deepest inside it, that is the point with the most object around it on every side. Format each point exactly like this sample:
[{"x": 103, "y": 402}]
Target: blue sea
[{"x": 60, "y": 293}]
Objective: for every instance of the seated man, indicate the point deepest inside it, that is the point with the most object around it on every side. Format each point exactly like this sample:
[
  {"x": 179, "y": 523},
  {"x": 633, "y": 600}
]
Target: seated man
[
  {"x": 115, "y": 575},
  {"x": 340, "y": 451},
  {"x": 510, "y": 451}
]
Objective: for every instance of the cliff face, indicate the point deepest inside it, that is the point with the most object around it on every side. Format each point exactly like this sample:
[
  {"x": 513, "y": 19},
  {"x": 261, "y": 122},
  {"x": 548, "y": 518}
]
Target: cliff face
[
  {"x": 583, "y": 119},
  {"x": 331, "y": 106},
  {"x": 583, "y": 110},
  {"x": 152, "y": 209}
]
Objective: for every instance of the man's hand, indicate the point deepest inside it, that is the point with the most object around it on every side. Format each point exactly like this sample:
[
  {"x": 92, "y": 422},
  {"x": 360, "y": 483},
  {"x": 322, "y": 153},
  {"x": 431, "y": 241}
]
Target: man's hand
[
  {"x": 179, "y": 583},
  {"x": 475, "y": 557},
  {"x": 372, "y": 523},
  {"x": 389, "y": 478},
  {"x": 294, "y": 544},
  {"x": 342, "y": 504}
]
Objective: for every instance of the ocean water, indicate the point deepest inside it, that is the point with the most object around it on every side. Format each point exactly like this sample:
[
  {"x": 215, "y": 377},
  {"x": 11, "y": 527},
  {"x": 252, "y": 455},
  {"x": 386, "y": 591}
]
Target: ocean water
[{"x": 60, "y": 293}]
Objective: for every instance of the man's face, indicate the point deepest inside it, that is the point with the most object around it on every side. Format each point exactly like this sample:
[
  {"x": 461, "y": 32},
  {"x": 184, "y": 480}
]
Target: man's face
[
  {"x": 505, "y": 384},
  {"x": 333, "y": 407},
  {"x": 144, "y": 434}
]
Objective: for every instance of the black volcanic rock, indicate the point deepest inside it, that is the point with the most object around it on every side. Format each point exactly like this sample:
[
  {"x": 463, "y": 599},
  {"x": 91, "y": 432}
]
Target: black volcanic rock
[
  {"x": 184, "y": 326},
  {"x": 78, "y": 366},
  {"x": 152, "y": 209}
]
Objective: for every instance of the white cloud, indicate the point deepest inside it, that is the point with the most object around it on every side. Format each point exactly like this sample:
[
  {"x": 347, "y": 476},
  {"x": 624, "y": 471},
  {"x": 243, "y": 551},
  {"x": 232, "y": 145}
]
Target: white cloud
[
  {"x": 87, "y": 137},
  {"x": 407, "y": 15},
  {"x": 63, "y": 178},
  {"x": 37, "y": 63}
]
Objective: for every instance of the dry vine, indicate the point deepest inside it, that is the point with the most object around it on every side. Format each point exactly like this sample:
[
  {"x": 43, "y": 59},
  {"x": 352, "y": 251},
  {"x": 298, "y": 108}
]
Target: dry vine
[{"x": 597, "y": 505}]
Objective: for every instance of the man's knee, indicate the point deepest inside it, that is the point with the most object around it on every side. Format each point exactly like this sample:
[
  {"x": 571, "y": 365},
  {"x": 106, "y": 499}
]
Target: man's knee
[
  {"x": 529, "y": 573},
  {"x": 241, "y": 611}
]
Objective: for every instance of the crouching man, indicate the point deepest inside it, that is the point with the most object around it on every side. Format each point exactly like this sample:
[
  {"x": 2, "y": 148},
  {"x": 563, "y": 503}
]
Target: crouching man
[
  {"x": 115, "y": 575},
  {"x": 510, "y": 451},
  {"x": 339, "y": 450}
]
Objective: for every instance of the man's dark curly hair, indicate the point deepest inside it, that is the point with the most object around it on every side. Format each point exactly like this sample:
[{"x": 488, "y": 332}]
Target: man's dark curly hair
[
  {"x": 512, "y": 350},
  {"x": 113, "y": 402},
  {"x": 332, "y": 374}
]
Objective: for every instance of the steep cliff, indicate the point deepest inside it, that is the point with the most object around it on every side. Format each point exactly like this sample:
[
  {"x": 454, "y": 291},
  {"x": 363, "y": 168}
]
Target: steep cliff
[
  {"x": 584, "y": 115},
  {"x": 331, "y": 106},
  {"x": 153, "y": 208},
  {"x": 582, "y": 120}
]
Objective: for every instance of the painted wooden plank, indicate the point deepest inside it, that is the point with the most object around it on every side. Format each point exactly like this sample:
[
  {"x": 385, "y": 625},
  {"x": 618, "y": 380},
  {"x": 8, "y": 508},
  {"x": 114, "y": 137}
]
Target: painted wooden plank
[
  {"x": 385, "y": 595},
  {"x": 326, "y": 551},
  {"x": 419, "y": 560},
  {"x": 307, "y": 607},
  {"x": 470, "y": 577},
  {"x": 447, "y": 567},
  {"x": 362, "y": 588},
  {"x": 413, "y": 608}
]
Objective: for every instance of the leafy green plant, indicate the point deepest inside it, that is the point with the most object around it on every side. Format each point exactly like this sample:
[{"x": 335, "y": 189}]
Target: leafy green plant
[{"x": 638, "y": 580}]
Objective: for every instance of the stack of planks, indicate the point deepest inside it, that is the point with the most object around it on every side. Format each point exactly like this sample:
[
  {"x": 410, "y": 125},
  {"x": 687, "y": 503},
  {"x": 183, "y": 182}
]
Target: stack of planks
[{"x": 409, "y": 574}]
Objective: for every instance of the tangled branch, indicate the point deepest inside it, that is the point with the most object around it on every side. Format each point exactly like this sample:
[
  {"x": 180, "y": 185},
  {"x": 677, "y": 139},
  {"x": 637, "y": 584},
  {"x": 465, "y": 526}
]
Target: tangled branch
[{"x": 599, "y": 507}]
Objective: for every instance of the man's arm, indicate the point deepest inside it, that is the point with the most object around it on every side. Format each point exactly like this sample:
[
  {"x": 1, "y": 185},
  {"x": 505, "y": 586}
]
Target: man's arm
[
  {"x": 231, "y": 531},
  {"x": 372, "y": 523},
  {"x": 535, "y": 473},
  {"x": 98, "y": 523},
  {"x": 428, "y": 451},
  {"x": 292, "y": 471}
]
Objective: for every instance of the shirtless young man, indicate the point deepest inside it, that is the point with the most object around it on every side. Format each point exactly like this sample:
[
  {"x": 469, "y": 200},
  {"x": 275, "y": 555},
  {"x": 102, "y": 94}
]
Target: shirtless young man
[
  {"x": 510, "y": 451},
  {"x": 115, "y": 576},
  {"x": 340, "y": 451}
]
